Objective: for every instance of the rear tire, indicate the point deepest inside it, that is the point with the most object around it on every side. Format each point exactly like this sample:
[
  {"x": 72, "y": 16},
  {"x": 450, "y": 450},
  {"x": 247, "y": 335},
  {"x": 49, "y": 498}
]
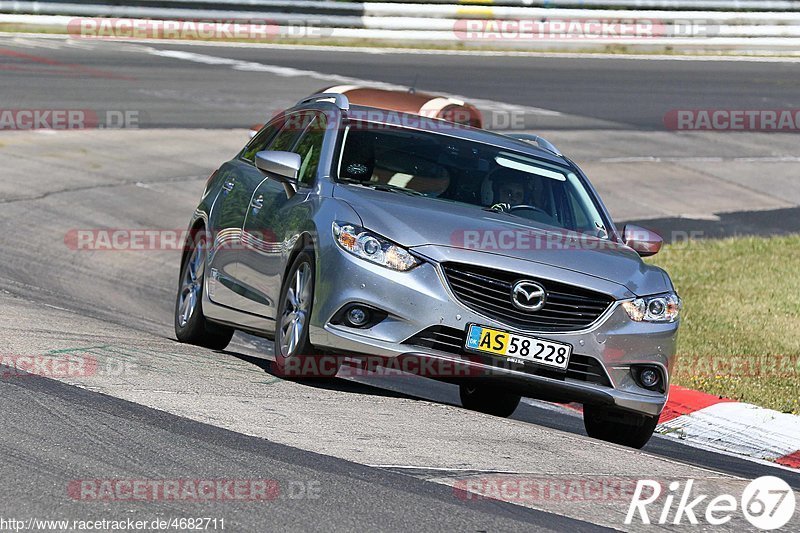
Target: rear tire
[
  {"x": 295, "y": 357},
  {"x": 489, "y": 400},
  {"x": 191, "y": 325},
  {"x": 619, "y": 427}
]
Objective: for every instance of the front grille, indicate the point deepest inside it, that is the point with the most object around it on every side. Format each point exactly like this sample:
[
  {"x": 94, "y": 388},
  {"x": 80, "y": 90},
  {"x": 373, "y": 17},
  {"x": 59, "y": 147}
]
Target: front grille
[
  {"x": 451, "y": 340},
  {"x": 488, "y": 291}
]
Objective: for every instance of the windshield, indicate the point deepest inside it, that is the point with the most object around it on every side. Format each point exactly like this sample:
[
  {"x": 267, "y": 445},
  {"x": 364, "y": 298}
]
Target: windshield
[{"x": 430, "y": 164}]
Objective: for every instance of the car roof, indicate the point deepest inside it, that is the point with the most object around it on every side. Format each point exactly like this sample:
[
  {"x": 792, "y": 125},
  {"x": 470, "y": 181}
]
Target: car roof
[{"x": 468, "y": 133}]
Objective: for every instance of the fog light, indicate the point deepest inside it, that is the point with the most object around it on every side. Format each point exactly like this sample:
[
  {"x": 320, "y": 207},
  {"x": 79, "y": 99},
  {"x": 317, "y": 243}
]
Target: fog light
[
  {"x": 357, "y": 316},
  {"x": 649, "y": 377}
]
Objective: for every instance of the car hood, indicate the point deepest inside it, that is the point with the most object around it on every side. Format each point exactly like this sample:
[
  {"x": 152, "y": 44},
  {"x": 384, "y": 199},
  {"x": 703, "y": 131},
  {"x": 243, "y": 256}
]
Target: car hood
[{"x": 416, "y": 222}]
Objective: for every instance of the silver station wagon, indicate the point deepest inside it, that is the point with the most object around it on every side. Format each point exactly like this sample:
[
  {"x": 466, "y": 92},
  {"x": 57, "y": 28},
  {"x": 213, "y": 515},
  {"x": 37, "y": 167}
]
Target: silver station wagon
[{"x": 355, "y": 233}]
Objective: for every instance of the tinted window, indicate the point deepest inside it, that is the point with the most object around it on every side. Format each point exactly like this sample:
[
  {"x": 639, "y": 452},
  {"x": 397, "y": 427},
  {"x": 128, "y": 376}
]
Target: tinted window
[
  {"x": 294, "y": 127},
  {"x": 262, "y": 140},
  {"x": 310, "y": 147}
]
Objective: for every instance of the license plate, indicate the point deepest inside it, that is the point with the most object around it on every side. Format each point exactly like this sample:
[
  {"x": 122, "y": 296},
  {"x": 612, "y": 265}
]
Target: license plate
[{"x": 505, "y": 344}]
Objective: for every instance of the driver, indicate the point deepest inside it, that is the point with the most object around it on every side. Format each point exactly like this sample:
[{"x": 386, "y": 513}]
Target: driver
[
  {"x": 508, "y": 187},
  {"x": 510, "y": 192}
]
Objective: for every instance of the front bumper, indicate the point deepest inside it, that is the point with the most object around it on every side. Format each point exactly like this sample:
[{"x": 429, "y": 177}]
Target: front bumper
[{"x": 421, "y": 298}]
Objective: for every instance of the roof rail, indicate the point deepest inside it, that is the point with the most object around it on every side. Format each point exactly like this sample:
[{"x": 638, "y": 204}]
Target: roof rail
[
  {"x": 543, "y": 143},
  {"x": 339, "y": 99}
]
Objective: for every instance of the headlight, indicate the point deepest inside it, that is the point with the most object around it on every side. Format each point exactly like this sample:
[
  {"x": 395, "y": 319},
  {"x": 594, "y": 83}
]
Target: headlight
[
  {"x": 659, "y": 308},
  {"x": 372, "y": 247}
]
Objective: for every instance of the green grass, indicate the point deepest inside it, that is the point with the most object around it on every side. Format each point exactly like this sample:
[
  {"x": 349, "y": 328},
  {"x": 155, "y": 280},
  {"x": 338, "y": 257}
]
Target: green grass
[{"x": 740, "y": 331}]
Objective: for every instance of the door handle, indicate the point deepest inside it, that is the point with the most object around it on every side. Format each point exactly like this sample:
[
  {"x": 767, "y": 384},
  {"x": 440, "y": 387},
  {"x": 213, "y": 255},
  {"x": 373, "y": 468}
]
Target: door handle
[
  {"x": 257, "y": 203},
  {"x": 229, "y": 184}
]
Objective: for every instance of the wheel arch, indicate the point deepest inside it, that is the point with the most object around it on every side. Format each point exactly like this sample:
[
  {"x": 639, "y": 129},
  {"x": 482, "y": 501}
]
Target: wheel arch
[
  {"x": 304, "y": 242},
  {"x": 197, "y": 225}
]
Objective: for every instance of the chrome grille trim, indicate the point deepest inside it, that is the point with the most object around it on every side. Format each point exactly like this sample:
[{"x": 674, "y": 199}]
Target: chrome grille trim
[{"x": 488, "y": 291}]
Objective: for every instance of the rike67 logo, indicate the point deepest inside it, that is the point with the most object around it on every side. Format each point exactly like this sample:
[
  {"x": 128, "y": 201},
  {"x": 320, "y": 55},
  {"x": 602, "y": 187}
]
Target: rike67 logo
[{"x": 768, "y": 503}]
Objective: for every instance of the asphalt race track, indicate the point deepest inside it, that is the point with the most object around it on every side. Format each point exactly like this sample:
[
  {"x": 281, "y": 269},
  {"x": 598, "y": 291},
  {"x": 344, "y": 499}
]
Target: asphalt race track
[{"x": 368, "y": 453}]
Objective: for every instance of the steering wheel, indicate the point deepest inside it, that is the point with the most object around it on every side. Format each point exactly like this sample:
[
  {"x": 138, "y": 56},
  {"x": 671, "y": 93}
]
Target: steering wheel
[
  {"x": 531, "y": 212},
  {"x": 521, "y": 207}
]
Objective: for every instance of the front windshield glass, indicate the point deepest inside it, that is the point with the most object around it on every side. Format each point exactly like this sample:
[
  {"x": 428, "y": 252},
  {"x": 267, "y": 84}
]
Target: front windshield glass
[{"x": 435, "y": 165}]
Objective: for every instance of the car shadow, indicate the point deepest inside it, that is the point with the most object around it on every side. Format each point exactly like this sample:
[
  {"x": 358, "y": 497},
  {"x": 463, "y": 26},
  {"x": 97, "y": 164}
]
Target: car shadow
[{"x": 334, "y": 384}]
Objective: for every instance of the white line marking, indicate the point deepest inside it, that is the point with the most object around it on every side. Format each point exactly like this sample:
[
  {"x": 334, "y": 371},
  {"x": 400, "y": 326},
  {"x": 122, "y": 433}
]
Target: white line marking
[
  {"x": 721, "y": 475},
  {"x": 480, "y": 470},
  {"x": 37, "y": 43},
  {"x": 289, "y": 72}
]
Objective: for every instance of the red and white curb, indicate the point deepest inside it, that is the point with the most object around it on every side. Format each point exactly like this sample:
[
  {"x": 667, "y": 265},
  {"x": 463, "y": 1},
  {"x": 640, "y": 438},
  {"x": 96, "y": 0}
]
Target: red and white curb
[
  {"x": 733, "y": 427},
  {"x": 719, "y": 424}
]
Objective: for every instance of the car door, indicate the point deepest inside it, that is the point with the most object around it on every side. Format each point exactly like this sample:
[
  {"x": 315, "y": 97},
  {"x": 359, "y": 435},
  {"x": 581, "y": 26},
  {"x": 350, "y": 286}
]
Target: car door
[
  {"x": 238, "y": 183},
  {"x": 273, "y": 217}
]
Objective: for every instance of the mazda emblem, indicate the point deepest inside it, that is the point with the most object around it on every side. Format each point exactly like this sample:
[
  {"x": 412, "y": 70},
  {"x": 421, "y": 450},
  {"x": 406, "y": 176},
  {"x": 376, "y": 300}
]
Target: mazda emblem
[{"x": 528, "y": 295}]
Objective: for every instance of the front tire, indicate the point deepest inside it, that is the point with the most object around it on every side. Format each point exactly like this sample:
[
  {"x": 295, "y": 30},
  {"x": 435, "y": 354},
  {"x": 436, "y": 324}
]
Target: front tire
[
  {"x": 191, "y": 325},
  {"x": 488, "y": 400},
  {"x": 613, "y": 425},
  {"x": 295, "y": 357}
]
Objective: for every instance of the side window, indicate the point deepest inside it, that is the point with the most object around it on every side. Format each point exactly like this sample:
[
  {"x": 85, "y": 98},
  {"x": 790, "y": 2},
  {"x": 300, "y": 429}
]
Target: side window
[
  {"x": 310, "y": 148},
  {"x": 261, "y": 140},
  {"x": 294, "y": 127}
]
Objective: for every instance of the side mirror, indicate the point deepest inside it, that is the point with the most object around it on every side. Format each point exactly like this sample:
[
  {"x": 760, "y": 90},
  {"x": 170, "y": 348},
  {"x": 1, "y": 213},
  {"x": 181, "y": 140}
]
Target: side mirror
[
  {"x": 643, "y": 241},
  {"x": 285, "y": 165}
]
